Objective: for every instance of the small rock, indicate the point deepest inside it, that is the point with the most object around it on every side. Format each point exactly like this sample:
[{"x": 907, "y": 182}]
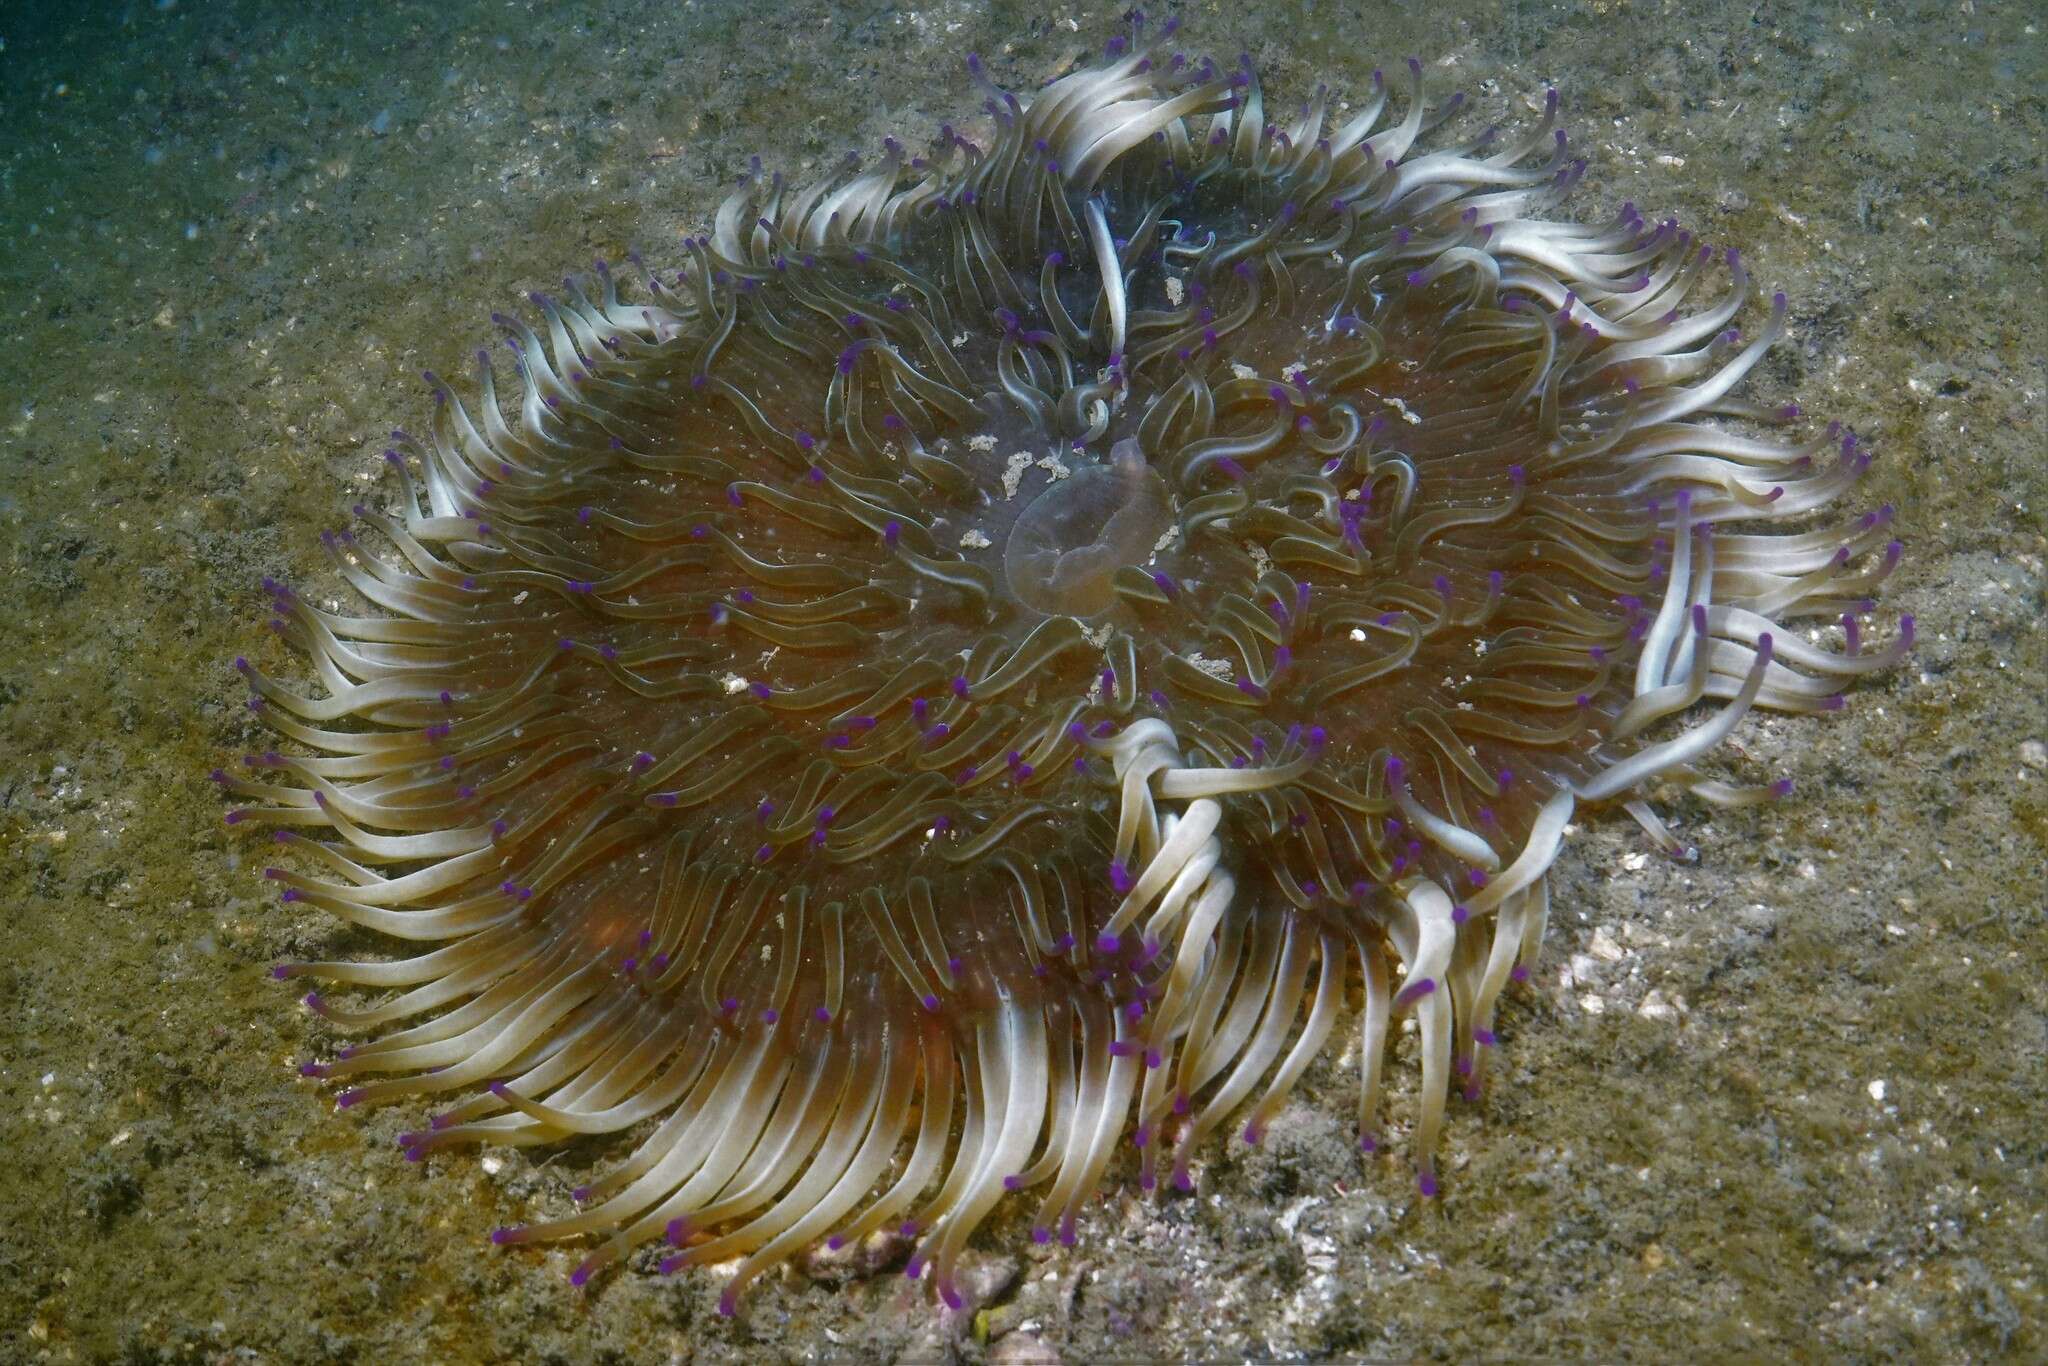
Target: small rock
[
  {"x": 875, "y": 1253},
  {"x": 1022, "y": 1349},
  {"x": 982, "y": 1279},
  {"x": 1759, "y": 918},
  {"x": 1656, "y": 1007},
  {"x": 2034, "y": 754}
]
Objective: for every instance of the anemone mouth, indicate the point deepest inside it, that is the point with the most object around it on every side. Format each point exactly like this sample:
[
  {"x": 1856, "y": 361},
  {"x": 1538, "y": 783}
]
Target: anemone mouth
[
  {"x": 1064, "y": 550},
  {"x": 964, "y": 672}
]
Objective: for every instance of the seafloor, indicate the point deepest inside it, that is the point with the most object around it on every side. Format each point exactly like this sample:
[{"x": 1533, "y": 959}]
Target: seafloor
[{"x": 1787, "y": 1103}]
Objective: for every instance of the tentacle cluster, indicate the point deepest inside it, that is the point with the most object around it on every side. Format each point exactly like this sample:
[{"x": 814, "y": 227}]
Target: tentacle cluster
[{"x": 971, "y": 668}]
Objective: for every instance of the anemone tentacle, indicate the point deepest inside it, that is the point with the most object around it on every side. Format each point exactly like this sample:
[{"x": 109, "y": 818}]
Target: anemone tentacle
[{"x": 966, "y": 670}]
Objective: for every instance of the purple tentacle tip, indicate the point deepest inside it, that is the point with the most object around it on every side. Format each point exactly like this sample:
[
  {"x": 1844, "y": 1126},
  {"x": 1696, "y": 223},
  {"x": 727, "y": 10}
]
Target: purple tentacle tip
[
  {"x": 500, "y": 1237},
  {"x": 1414, "y": 992}
]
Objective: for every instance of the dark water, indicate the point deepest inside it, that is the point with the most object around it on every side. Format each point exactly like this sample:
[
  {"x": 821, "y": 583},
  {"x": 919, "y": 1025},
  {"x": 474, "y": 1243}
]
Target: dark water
[{"x": 1784, "y": 1102}]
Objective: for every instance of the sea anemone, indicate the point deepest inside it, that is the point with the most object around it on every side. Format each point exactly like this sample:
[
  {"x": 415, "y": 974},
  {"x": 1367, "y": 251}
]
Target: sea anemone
[{"x": 968, "y": 671}]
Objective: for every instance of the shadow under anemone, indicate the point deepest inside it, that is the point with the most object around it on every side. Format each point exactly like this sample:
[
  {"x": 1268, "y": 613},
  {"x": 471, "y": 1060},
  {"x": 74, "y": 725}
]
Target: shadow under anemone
[{"x": 962, "y": 673}]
